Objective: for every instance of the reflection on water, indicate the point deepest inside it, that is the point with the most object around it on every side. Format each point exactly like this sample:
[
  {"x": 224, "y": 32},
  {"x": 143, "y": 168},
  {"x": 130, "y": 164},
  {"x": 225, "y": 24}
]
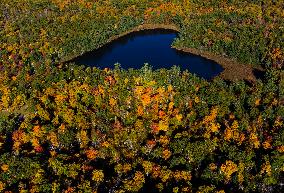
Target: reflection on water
[{"x": 149, "y": 46}]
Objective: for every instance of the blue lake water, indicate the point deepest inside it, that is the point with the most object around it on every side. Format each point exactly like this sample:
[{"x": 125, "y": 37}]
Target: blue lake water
[{"x": 152, "y": 47}]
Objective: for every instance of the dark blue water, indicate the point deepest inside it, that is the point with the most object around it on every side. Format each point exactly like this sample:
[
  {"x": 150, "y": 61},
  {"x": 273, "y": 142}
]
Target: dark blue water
[{"x": 150, "y": 46}]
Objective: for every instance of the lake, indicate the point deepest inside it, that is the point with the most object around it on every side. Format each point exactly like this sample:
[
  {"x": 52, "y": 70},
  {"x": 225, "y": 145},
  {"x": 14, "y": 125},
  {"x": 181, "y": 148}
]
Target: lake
[{"x": 148, "y": 46}]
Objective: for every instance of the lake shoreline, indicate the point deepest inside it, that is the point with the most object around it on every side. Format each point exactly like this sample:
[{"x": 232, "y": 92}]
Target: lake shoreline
[{"x": 233, "y": 70}]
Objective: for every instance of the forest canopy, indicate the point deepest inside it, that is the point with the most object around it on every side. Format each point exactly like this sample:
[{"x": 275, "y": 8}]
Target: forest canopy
[{"x": 69, "y": 128}]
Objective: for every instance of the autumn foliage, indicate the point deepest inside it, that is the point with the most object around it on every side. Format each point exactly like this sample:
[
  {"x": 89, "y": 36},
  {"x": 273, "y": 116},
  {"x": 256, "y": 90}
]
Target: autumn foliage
[
  {"x": 68, "y": 128},
  {"x": 89, "y": 136}
]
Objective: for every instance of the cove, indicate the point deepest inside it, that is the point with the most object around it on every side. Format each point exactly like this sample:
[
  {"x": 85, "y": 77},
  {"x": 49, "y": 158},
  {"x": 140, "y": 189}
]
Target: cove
[{"x": 148, "y": 46}]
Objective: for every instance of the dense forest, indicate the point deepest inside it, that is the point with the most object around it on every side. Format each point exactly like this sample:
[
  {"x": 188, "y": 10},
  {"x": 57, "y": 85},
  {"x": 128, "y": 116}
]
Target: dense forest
[{"x": 70, "y": 128}]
